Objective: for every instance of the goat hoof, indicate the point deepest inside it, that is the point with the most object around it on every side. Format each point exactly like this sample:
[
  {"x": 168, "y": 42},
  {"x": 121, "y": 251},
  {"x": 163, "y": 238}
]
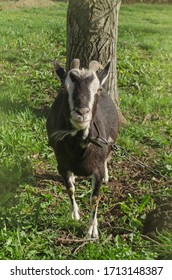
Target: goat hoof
[
  {"x": 106, "y": 181},
  {"x": 92, "y": 233},
  {"x": 88, "y": 236},
  {"x": 75, "y": 216}
]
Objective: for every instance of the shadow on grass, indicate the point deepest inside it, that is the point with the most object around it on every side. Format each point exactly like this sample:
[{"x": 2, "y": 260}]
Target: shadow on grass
[
  {"x": 13, "y": 173},
  {"x": 9, "y": 106},
  {"x": 42, "y": 180}
]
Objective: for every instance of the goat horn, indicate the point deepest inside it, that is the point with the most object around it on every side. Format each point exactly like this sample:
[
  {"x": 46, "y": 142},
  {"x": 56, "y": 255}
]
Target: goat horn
[
  {"x": 95, "y": 65},
  {"x": 59, "y": 71},
  {"x": 56, "y": 65},
  {"x": 75, "y": 63}
]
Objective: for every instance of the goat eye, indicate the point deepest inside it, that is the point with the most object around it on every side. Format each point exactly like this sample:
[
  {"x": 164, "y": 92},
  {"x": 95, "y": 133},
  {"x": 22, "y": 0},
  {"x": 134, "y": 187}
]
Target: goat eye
[{"x": 100, "y": 90}]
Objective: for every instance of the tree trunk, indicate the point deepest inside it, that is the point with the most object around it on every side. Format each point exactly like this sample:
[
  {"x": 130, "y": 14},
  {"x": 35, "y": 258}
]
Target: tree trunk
[
  {"x": 92, "y": 31},
  {"x": 92, "y": 35}
]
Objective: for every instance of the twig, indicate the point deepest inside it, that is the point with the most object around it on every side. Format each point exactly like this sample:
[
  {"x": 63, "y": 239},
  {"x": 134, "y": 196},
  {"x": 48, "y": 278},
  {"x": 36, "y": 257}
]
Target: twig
[
  {"x": 79, "y": 247},
  {"x": 82, "y": 245},
  {"x": 68, "y": 241},
  {"x": 149, "y": 239},
  {"x": 124, "y": 153},
  {"x": 107, "y": 239},
  {"x": 142, "y": 235}
]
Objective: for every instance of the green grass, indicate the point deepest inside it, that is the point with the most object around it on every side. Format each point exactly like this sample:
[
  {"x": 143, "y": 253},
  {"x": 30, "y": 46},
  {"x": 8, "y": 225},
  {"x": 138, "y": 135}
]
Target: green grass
[{"x": 34, "y": 206}]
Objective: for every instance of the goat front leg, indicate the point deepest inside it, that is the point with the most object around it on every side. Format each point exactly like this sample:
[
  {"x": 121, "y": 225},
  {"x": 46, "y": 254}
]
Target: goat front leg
[
  {"x": 70, "y": 180},
  {"x": 94, "y": 200}
]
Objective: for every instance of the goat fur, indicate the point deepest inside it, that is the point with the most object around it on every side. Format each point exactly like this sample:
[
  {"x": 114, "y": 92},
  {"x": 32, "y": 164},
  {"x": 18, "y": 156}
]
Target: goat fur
[{"x": 75, "y": 154}]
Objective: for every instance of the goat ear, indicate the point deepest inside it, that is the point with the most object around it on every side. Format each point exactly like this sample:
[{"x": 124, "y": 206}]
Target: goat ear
[
  {"x": 103, "y": 75},
  {"x": 60, "y": 72}
]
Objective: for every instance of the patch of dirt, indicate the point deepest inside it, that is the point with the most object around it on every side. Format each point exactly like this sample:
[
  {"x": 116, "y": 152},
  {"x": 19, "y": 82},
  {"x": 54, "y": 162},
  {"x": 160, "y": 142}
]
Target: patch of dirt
[
  {"x": 27, "y": 4},
  {"x": 159, "y": 219},
  {"x": 126, "y": 178}
]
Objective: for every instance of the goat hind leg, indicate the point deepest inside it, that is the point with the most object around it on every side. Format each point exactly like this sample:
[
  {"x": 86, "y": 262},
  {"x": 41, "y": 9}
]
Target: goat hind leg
[
  {"x": 106, "y": 173},
  {"x": 93, "y": 228},
  {"x": 71, "y": 192},
  {"x": 106, "y": 176},
  {"x": 94, "y": 200}
]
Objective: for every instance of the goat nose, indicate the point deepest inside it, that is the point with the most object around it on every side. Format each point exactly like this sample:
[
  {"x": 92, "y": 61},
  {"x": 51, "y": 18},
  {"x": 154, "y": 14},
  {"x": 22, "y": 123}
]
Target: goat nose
[{"x": 82, "y": 111}]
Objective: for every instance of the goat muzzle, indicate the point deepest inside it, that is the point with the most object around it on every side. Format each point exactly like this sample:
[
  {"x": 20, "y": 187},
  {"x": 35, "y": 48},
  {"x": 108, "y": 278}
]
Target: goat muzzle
[{"x": 81, "y": 117}]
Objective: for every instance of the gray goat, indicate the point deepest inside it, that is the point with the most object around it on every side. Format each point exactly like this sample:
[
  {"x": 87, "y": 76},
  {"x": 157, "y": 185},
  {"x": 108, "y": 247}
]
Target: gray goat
[{"x": 82, "y": 125}]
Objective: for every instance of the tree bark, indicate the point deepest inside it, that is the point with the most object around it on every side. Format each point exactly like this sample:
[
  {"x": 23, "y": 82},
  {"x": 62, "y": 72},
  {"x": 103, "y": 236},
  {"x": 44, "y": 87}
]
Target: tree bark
[{"x": 92, "y": 31}]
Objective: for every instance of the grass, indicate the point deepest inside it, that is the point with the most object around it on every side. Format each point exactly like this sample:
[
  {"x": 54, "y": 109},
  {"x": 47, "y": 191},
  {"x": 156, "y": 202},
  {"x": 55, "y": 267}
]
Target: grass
[{"x": 33, "y": 203}]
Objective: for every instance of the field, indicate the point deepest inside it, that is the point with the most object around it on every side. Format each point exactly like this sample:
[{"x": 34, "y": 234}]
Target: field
[{"x": 35, "y": 219}]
